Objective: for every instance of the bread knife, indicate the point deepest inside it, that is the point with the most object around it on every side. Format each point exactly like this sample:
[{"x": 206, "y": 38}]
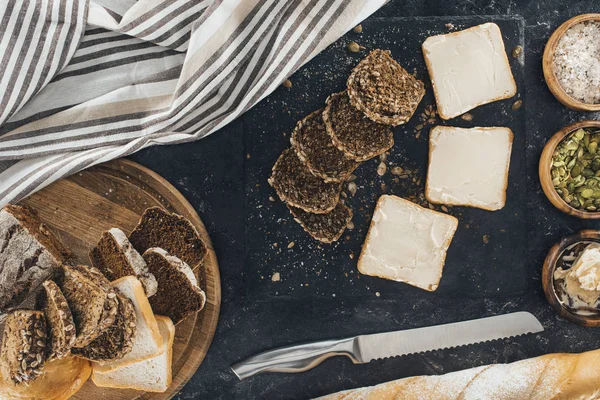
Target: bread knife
[{"x": 366, "y": 348}]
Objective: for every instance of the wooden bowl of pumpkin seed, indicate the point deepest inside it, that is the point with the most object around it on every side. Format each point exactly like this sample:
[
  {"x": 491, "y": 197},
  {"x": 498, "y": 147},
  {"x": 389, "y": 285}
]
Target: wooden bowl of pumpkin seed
[{"x": 569, "y": 169}]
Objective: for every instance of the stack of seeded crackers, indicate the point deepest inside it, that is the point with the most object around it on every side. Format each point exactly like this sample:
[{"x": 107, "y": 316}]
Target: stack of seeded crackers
[{"x": 330, "y": 143}]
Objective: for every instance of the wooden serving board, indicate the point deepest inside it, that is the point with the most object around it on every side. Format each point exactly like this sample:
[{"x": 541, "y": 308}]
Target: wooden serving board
[{"x": 115, "y": 194}]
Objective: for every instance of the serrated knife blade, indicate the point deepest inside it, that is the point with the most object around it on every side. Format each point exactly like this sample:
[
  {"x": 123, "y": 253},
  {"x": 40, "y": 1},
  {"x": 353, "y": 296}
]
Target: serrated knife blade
[
  {"x": 398, "y": 343},
  {"x": 365, "y": 348}
]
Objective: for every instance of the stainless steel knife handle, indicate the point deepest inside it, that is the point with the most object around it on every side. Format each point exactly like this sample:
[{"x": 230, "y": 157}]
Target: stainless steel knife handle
[{"x": 297, "y": 358}]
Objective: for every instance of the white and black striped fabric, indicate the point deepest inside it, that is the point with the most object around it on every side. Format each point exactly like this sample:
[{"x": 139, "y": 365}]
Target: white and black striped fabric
[{"x": 83, "y": 82}]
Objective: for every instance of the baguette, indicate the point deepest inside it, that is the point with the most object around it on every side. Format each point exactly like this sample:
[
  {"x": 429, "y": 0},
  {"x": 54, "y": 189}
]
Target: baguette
[{"x": 552, "y": 376}]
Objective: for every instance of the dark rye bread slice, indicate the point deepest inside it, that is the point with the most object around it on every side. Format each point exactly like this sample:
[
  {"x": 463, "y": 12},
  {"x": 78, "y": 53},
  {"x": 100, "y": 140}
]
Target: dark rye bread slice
[
  {"x": 178, "y": 293},
  {"x": 295, "y": 185},
  {"x": 29, "y": 254},
  {"x": 115, "y": 257},
  {"x": 59, "y": 320},
  {"x": 380, "y": 88},
  {"x": 314, "y": 147},
  {"x": 117, "y": 340},
  {"x": 172, "y": 232},
  {"x": 23, "y": 350},
  {"x": 92, "y": 300},
  {"x": 352, "y": 132},
  {"x": 326, "y": 228}
]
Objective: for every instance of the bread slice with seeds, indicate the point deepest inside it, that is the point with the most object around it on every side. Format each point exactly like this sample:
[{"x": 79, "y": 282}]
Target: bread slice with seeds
[
  {"x": 326, "y": 228},
  {"x": 59, "y": 320},
  {"x": 178, "y": 293},
  {"x": 116, "y": 341},
  {"x": 23, "y": 350},
  {"x": 147, "y": 339},
  {"x": 295, "y": 185},
  {"x": 115, "y": 257},
  {"x": 29, "y": 254},
  {"x": 314, "y": 147},
  {"x": 172, "y": 232},
  {"x": 352, "y": 132},
  {"x": 380, "y": 88},
  {"x": 92, "y": 300}
]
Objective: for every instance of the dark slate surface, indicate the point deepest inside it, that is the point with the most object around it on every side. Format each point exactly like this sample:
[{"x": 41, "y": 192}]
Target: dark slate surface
[{"x": 480, "y": 280}]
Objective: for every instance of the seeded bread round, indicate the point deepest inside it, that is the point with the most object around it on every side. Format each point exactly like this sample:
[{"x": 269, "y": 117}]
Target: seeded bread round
[
  {"x": 353, "y": 133},
  {"x": 116, "y": 341},
  {"x": 314, "y": 147},
  {"x": 295, "y": 185},
  {"x": 326, "y": 228},
  {"x": 61, "y": 327},
  {"x": 380, "y": 88}
]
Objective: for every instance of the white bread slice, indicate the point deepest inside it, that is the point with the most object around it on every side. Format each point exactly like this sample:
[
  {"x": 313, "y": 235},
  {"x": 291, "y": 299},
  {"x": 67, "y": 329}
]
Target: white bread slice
[
  {"x": 468, "y": 68},
  {"x": 147, "y": 338},
  {"x": 151, "y": 375},
  {"x": 469, "y": 167},
  {"x": 407, "y": 243}
]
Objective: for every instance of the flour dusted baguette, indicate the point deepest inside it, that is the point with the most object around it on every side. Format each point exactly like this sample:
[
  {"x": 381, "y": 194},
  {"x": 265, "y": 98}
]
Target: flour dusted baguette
[{"x": 553, "y": 376}]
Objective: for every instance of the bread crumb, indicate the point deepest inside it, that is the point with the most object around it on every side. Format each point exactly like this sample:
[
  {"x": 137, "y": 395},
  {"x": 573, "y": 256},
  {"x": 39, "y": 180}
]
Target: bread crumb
[
  {"x": 353, "y": 47},
  {"x": 248, "y": 156},
  {"x": 352, "y": 256},
  {"x": 352, "y": 188},
  {"x": 275, "y": 244},
  {"x": 350, "y": 225},
  {"x": 467, "y": 117},
  {"x": 276, "y": 277},
  {"x": 377, "y": 294},
  {"x": 292, "y": 244},
  {"x": 357, "y": 29},
  {"x": 444, "y": 208},
  {"x": 381, "y": 169},
  {"x": 397, "y": 170},
  {"x": 517, "y": 104},
  {"x": 271, "y": 198},
  {"x": 287, "y": 83},
  {"x": 449, "y": 25},
  {"x": 486, "y": 239}
]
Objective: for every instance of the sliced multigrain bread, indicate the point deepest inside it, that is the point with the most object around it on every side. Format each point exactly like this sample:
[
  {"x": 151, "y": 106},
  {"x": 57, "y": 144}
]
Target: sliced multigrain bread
[
  {"x": 147, "y": 338},
  {"x": 151, "y": 375},
  {"x": 352, "y": 132},
  {"x": 115, "y": 257},
  {"x": 326, "y": 228},
  {"x": 29, "y": 254},
  {"x": 297, "y": 186},
  {"x": 23, "y": 350},
  {"x": 116, "y": 341},
  {"x": 178, "y": 293},
  {"x": 383, "y": 90},
  {"x": 59, "y": 320},
  {"x": 92, "y": 300},
  {"x": 172, "y": 232},
  {"x": 315, "y": 148}
]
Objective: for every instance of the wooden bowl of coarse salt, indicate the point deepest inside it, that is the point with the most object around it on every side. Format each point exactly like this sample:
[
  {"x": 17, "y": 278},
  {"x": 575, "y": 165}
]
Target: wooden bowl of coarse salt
[{"x": 571, "y": 63}]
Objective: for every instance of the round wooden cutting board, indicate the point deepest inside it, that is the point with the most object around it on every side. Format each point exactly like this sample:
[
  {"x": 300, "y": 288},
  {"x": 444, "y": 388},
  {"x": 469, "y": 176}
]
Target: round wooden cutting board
[{"x": 115, "y": 194}]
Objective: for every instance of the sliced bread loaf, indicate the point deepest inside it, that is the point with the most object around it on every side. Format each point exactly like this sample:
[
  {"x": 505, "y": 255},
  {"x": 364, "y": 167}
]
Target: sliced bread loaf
[
  {"x": 147, "y": 339},
  {"x": 29, "y": 254},
  {"x": 297, "y": 186},
  {"x": 115, "y": 257},
  {"x": 151, "y": 375},
  {"x": 92, "y": 300},
  {"x": 178, "y": 293},
  {"x": 172, "y": 232},
  {"x": 326, "y": 228},
  {"x": 23, "y": 350},
  {"x": 314, "y": 147},
  {"x": 59, "y": 319},
  {"x": 116, "y": 341}
]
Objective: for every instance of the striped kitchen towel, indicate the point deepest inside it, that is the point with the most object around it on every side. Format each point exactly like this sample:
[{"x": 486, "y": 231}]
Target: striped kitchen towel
[{"x": 87, "y": 81}]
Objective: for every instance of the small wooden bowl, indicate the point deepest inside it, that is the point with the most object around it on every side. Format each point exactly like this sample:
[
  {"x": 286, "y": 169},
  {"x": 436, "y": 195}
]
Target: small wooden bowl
[
  {"x": 548, "y": 277},
  {"x": 546, "y": 177},
  {"x": 547, "y": 64}
]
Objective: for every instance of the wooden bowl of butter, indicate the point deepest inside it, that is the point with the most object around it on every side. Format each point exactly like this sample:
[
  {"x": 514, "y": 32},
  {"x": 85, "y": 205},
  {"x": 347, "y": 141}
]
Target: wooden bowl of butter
[
  {"x": 571, "y": 63},
  {"x": 570, "y": 165},
  {"x": 571, "y": 278}
]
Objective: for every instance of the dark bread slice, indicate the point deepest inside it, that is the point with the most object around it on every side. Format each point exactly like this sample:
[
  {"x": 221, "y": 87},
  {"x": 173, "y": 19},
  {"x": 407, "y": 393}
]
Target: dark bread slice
[
  {"x": 314, "y": 147},
  {"x": 23, "y": 350},
  {"x": 380, "y": 88},
  {"x": 295, "y": 185},
  {"x": 117, "y": 340},
  {"x": 326, "y": 228},
  {"x": 353, "y": 133},
  {"x": 115, "y": 257},
  {"x": 59, "y": 320},
  {"x": 178, "y": 293},
  {"x": 29, "y": 254},
  {"x": 92, "y": 300},
  {"x": 172, "y": 232}
]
